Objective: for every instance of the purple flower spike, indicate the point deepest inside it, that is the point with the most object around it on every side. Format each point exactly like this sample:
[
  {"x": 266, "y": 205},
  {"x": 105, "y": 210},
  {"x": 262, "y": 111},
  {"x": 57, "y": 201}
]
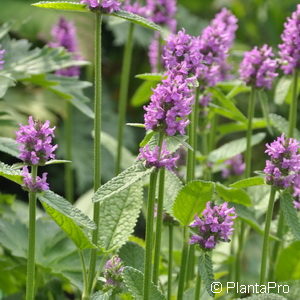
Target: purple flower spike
[
  {"x": 113, "y": 272},
  {"x": 2, "y": 53},
  {"x": 234, "y": 166},
  {"x": 64, "y": 35},
  {"x": 35, "y": 142},
  {"x": 258, "y": 67},
  {"x": 108, "y": 6},
  {"x": 290, "y": 47},
  {"x": 154, "y": 53},
  {"x": 284, "y": 164},
  {"x": 38, "y": 186},
  {"x": 159, "y": 159},
  {"x": 134, "y": 7},
  {"x": 215, "y": 225}
]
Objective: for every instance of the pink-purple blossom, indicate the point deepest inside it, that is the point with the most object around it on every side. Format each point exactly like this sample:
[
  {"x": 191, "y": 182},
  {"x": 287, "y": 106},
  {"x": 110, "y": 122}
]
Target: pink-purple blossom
[
  {"x": 35, "y": 142},
  {"x": 284, "y": 164},
  {"x": 40, "y": 184},
  {"x": 134, "y": 7},
  {"x": 154, "y": 53},
  {"x": 108, "y": 6},
  {"x": 296, "y": 192},
  {"x": 258, "y": 68},
  {"x": 215, "y": 225},
  {"x": 234, "y": 166},
  {"x": 113, "y": 272},
  {"x": 2, "y": 53},
  {"x": 290, "y": 47},
  {"x": 159, "y": 158}
]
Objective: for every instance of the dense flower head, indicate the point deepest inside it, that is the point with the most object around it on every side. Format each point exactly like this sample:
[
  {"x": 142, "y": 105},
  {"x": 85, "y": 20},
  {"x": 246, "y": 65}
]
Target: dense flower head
[
  {"x": 290, "y": 47},
  {"x": 170, "y": 105},
  {"x": 215, "y": 225},
  {"x": 284, "y": 164},
  {"x": 2, "y": 53},
  {"x": 234, "y": 166},
  {"x": 258, "y": 68},
  {"x": 64, "y": 35},
  {"x": 108, "y": 6},
  {"x": 113, "y": 272},
  {"x": 35, "y": 142},
  {"x": 39, "y": 185},
  {"x": 159, "y": 158},
  {"x": 134, "y": 7},
  {"x": 154, "y": 53}
]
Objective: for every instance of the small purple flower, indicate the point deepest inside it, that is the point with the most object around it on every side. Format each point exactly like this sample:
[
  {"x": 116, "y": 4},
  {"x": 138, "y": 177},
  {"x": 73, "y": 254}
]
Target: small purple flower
[
  {"x": 296, "y": 193},
  {"x": 113, "y": 272},
  {"x": 64, "y": 35},
  {"x": 234, "y": 166},
  {"x": 159, "y": 159},
  {"x": 284, "y": 164},
  {"x": 108, "y": 6},
  {"x": 215, "y": 225},
  {"x": 2, "y": 53},
  {"x": 258, "y": 67},
  {"x": 134, "y": 7},
  {"x": 35, "y": 142},
  {"x": 290, "y": 47},
  {"x": 38, "y": 186},
  {"x": 154, "y": 53}
]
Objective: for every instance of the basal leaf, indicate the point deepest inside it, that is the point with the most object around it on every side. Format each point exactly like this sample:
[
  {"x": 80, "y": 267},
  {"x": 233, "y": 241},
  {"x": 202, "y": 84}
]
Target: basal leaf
[
  {"x": 143, "y": 93},
  {"x": 290, "y": 214},
  {"x": 133, "y": 280},
  {"x": 235, "y": 195},
  {"x": 118, "y": 216},
  {"x": 10, "y": 173},
  {"x": 151, "y": 76},
  {"x": 191, "y": 200},
  {"x": 132, "y": 255},
  {"x": 206, "y": 271},
  {"x": 9, "y": 146},
  {"x": 121, "y": 182},
  {"x": 62, "y": 5},
  {"x": 244, "y": 183}
]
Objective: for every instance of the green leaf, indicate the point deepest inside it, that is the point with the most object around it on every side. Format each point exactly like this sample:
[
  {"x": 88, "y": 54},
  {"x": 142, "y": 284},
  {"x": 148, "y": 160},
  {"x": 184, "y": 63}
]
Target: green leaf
[
  {"x": 147, "y": 138},
  {"x": 132, "y": 255},
  {"x": 133, "y": 280},
  {"x": 136, "y": 19},
  {"x": 282, "y": 125},
  {"x": 282, "y": 89},
  {"x": 143, "y": 93},
  {"x": 290, "y": 214},
  {"x": 288, "y": 266},
  {"x": 62, "y": 5},
  {"x": 233, "y": 148},
  {"x": 137, "y": 125},
  {"x": 265, "y": 297},
  {"x": 206, "y": 271},
  {"x": 100, "y": 295},
  {"x": 121, "y": 182},
  {"x": 191, "y": 200},
  {"x": 151, "y": 76},
  {"x": 118, "y": 216},
  {"x": 10, "y": 173},
  {"x": 9, "y": 146},
  {"x": 235, "y": 195},
  {"x": 244, "y": 183},
  {"x": 57, "y": 161},
  {"x": 264, "y": 102}
]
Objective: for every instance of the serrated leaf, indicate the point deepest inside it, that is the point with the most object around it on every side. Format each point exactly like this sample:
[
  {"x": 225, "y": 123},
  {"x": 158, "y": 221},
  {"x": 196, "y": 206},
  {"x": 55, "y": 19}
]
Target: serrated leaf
[
  {"x": 191, "y": 200},
  {"x": 9, "y": 146},
  {"x": 143, "y": 93},
  {"x": 233, "y": 148},
  {"x": 151, "y": 76},
  {"x": 282, "y": 89},
  {"x": 62, "y": 5},
  {"x": 282, "y": 125},
  {"x": 235, "y": 195},
  {"x": 244, "y": 183},
  {"x": 206, "y": 271},
  {"x": 121, "y": 182},
  {"x": 133, "y": 280},
  {"x": 10, "y": 173},
  {"x": 290, "y": 214},
  {"x": 136, "y": 19},
  {"x": 132, "y": 255},
  {"x": 118, "y": 216}
]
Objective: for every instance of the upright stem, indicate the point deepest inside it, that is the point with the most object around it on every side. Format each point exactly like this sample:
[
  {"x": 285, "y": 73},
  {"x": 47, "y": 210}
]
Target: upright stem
[
  {"x": 293, "y": 106},
  {"x": 170, "y": 263},
  {"x": 31, "y": 240},
  {"x": 149, "y": 235},
  {"x": 198, "y": 286},
  {"x": 84, "y": 275},
  {"x": 238, "y": 258},
  {"x": 97, "y": 144},
  {"x": 265, "y": 250},
  {"x": 159, "y": 220},
  {"x": 69, "y": 179},
  {"x": 127, "y": 57}
]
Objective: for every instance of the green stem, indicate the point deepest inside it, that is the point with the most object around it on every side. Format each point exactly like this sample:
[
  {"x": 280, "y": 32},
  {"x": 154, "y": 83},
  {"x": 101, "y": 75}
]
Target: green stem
[
  {"x": 149, "y": 235},
  {"x": 183, "y": 265},
  {"x": 97, "y": 144},
  {"x": 293, "y": 106},
  {"x": 159, "y": 220},
  {"x": 31, "y": 240},
  {"x": 190, "y": 273},
  {"x": 198, "y": 286},
  {"x": 127, "y": 57},
  {"x": 170, "y": 265},
  {"x": 84, "y": 275},
  {"x": 69, "y": 179},
  {"x": 265, "y": 250},
  {"x": 238, "y": 258}
]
